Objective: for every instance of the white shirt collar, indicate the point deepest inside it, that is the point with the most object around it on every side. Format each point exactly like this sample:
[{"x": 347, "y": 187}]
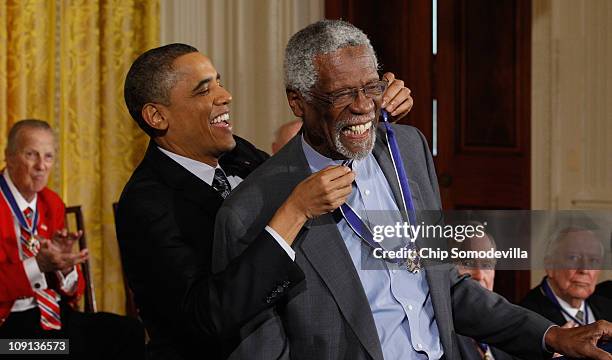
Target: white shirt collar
[
  {"x": 21, "y": 202},
  {"x": 203, "y": 171},
  {"x": 565, "y": 305}
]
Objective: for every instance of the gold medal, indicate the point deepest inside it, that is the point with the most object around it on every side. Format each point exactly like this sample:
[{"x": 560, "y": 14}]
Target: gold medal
[
  {"x": 33, "y": 244},
  {"x": 413, "y": 265}
]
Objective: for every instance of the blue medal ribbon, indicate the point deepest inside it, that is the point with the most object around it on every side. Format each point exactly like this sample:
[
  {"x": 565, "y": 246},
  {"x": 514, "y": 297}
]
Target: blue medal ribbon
[
  {"x": 359, "y": 226},
  {"x": 10, "y": 199},
  {"x": 551, "y": 296}
]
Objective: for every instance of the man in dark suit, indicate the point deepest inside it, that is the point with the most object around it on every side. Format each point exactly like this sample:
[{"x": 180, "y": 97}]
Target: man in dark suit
[
  {"x": 482, "y": 271},
  {"x": 167, "y": 210},
  {"x": 348, "y": 310},
  {"x": 566, "y": 295}
]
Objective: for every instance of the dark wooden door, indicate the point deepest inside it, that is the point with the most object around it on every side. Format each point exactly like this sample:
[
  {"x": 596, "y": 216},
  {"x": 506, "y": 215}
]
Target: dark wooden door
[{"x": 471, "y": 87}]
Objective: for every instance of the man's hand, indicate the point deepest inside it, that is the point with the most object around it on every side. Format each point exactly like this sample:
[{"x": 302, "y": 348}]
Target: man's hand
[
  {"x": 52, "y": 257},
  {"x": 580, "y": 342},
  {"x": 320, "y": 193},
  {"x": 65, "y": 240},
  {"x": 396, "y": 99}
]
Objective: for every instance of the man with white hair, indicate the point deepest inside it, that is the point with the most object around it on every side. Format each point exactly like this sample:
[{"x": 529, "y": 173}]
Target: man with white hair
[
  {"x": 40, "y": 277},
  {"x": 348, "y": 311},
  {"x": 565, "y": 296}
]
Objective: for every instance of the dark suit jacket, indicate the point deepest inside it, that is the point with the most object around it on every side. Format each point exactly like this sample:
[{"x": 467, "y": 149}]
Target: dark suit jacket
[
  {"x": 165, "y": 230},
  {"x": 469, "y": 350},
  {"x": 604, "y": 289},
  {"x": 537, "y": 301},
  {"x": 332, "y": 318}
]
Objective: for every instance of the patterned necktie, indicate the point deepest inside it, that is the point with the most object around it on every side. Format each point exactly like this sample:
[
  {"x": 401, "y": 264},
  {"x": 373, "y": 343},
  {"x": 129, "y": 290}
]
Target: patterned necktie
[
  {"x": 221, "y": 184},
  {"x": 580, "y": 316},
  {"x": 485, "y": 351},
  {"x": 47, "y": 299}
]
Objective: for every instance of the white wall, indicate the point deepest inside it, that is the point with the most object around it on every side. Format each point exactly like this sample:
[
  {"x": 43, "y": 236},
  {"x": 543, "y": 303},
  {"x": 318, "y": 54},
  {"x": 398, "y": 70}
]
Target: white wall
[{"x": 572, "y": 107}]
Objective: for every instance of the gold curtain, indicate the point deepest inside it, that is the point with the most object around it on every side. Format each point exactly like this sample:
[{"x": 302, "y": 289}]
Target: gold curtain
[{"x": 65, "y": 62}]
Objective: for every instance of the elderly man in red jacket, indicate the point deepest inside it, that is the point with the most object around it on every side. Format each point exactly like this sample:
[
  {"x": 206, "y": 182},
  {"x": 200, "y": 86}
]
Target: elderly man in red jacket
[{"x": 39, "y": 271}]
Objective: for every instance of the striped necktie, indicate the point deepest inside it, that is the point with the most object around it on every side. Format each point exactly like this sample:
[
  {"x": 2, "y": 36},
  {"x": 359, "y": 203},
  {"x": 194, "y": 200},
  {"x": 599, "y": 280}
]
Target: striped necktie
[
  {"x": 221, "y": 184},
  {"x": 47, "y": 299}
]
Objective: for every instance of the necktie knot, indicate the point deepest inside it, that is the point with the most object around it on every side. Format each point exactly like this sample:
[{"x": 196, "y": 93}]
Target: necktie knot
[
  {"x": 580, "y": 316},
  {"x": 221, "y": 184},
  {"x": 28, "y": 213}
]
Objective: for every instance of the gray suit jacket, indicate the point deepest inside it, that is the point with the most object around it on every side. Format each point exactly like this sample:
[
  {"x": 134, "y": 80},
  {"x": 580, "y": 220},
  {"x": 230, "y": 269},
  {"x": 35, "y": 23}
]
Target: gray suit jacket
[{"x": 331, "y": 317}]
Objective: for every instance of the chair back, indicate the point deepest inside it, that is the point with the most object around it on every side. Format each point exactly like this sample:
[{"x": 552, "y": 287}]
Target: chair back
[
  {"x": 75, "y": 213},
  {"x": 131, "y": 309}
]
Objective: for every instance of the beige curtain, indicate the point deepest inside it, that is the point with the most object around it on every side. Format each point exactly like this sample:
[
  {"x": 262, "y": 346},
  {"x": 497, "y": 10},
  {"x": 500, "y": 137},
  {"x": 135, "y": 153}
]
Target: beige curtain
[{"x": 65, "y": 62}]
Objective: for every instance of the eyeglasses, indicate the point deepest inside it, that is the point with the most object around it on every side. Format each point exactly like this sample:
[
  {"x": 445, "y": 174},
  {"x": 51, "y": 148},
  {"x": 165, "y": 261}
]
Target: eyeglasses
[{"x": 344, "y": 97}]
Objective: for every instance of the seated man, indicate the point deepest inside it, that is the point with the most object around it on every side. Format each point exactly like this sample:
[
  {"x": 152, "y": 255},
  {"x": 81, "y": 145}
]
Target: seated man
[
  {"x": 39, "y": 272},
  {"x": 483, "y": 271},
  {"x": 573, "y": 262},
  {"x": 347, "y": 310}
]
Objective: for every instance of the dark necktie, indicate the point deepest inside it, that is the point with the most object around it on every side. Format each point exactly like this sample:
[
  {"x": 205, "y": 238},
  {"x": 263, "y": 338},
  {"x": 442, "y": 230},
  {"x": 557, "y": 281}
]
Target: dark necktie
[
  {"x": 221, "y": 184},
  {"x": 580, "y": 317}
]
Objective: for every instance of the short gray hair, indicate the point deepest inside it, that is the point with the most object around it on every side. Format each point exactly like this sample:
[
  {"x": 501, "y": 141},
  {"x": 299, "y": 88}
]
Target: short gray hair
[
  {"x": 554, "y": 245},
  {"x": 11, "y": 144},
  {"x": 322, "y": 37}
]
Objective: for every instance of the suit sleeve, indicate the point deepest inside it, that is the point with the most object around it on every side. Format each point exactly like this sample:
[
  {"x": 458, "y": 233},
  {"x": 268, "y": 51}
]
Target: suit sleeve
[
  {"x": 495, "y": 321},
  {"x": 250, "y": 283},
  {"x": 157, "y": 256}
]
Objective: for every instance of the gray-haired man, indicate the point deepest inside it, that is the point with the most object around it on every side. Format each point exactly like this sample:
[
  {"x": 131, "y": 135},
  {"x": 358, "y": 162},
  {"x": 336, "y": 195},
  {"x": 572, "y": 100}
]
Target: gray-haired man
[{"x": 347, "y": 311}]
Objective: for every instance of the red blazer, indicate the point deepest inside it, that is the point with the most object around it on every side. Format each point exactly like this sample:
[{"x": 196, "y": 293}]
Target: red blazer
[{"x": 14, "y": 283}]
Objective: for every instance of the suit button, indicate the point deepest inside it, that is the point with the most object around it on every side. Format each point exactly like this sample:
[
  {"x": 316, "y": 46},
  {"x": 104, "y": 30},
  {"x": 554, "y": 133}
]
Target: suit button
[{"x": 37, "y": 285}]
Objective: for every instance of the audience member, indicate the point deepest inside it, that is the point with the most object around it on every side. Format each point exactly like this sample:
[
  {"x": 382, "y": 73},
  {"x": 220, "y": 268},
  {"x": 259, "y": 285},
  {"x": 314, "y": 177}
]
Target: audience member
[
  {"x": 40, "y": 278},
  {"x": 565, "y": 296},
  {"x": 483, "y": 271}
]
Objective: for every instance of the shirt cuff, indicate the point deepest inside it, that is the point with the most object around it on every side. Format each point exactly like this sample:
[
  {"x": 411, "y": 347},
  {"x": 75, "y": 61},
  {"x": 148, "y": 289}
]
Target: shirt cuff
[
  {"x": 36, "y": 277},
  {"x": 279, "y": 239},
  {"x": 544, "y": 347},
  {"x": 68, "y": 283}
]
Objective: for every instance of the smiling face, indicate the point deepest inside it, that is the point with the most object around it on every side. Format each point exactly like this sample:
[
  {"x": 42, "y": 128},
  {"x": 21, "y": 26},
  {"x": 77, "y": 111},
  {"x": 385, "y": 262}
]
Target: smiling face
[
  {"x": 197, "y": 120},
  {"x": 577, "y": 264},
  {"x": 343, "y": 132},
  {"x": 30, "y": 163}
]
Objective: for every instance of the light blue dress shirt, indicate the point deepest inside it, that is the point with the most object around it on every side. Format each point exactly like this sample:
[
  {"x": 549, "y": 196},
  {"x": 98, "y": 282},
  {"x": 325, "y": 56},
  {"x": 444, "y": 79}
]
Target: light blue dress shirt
[{"x": 399, "y": 300}]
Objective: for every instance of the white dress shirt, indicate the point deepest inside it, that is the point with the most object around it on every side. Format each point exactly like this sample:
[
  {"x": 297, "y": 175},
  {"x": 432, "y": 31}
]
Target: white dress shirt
[
  {"x": 572, "y": 310},
  {"x": 36, "y": 277},
  {"x": 206, "y": 173}
]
